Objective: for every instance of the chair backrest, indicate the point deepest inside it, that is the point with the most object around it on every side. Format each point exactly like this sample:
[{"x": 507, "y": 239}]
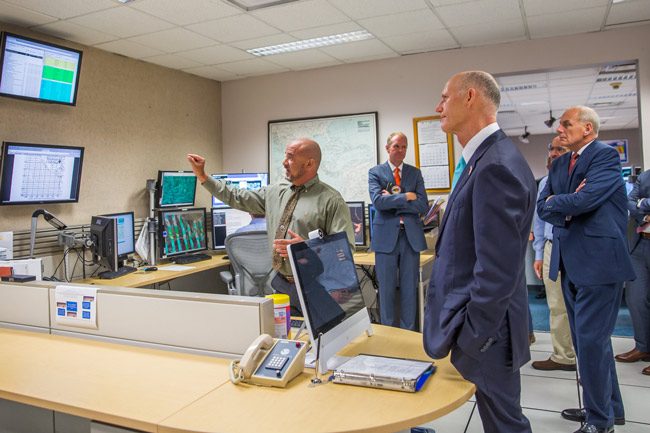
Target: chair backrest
[{"x": 250, "y": 258}]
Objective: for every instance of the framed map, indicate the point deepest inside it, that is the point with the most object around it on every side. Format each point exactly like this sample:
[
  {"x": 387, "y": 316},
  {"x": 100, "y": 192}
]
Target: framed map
[{"x": 348, "y": 143}]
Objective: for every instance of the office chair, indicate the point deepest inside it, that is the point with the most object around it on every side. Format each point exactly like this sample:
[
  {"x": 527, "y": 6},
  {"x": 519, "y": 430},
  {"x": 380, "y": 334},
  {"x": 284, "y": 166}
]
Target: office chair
[{"x": 251, "y": 262}]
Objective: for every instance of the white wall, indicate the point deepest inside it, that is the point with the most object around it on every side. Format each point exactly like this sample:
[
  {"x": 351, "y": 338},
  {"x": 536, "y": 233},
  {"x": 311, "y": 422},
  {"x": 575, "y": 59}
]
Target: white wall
[{"x": 406, "y": 87}]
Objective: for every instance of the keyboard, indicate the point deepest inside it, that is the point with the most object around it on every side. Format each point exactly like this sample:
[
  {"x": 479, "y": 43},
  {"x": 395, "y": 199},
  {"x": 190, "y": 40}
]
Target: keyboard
[
  {"x": 109, "y": 275},
  {"x": 191, "y": 258}
]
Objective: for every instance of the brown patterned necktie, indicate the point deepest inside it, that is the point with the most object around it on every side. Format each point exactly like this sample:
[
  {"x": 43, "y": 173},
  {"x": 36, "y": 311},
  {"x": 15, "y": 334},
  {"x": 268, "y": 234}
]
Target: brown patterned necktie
[
  {"x": 285, "y": 219},
  {"x": 572, "y": 163}
]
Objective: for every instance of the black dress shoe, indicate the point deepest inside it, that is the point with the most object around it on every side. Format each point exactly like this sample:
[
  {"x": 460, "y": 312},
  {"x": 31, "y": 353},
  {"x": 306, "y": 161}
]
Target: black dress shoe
[
  {"x": 589, "y": 428},
  {"x": 580, "y": 415}
]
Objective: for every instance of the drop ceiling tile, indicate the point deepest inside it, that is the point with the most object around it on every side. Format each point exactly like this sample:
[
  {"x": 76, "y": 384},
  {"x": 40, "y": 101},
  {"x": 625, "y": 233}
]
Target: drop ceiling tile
[
  {"x": 629, "y": 11},
  {"x": 333, "y": 29},
  {"x": 487, "y": 32},
  {"x": 122, "y": 21},
  {"x": 178, "y": 12},
  {"x": 75, "y": 32},
  {"x": 566, "y": 23},
  {"x": 358, "y": 9},
  {"x": 479, "y": 12},
  {"x": 11, "y": 14},
  {"x": 521, "y": 79},
  {"x": 403, "y": 23},
  {"x": 65, "y": 9},
  {"x": 173, "y": 40},
  {"x": 129, "y": 49},
  {"x": 172, "y": 61},
  {"x": 266, "y": 41},
  {"x": 590, "y": 73},
  {"x": 301, "y": 15},
  {"x": 212, "y": 73},
  {"x": 305, "y": 59},
  {"x": 216, "y": 54},
  {"x": 536, "y": 7},
  {"x": 358, "y": 50},
  {"x": 437, "y": 3},
  {"x": 386, "y": 55},
  {"x": 235, "y": 28},
  {"x": 421, "y": 42},
  {"x": 252, "y": 67}
]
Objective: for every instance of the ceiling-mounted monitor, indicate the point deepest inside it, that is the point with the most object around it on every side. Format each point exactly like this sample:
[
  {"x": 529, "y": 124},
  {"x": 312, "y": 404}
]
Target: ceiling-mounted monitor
[{"x": 38, "y": 70}]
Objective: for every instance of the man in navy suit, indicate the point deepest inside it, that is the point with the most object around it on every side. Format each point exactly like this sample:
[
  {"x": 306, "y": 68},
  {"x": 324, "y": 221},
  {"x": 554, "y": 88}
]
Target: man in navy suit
[
  {"x": 477, "y": 305},
  {"x": 585, "y": 201},
  {"x": 398, "y": 194}
]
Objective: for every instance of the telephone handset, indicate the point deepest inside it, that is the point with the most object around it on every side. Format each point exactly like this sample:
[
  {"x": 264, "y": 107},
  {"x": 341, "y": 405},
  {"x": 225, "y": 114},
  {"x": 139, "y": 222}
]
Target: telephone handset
[{"x": 269, "y": 362}]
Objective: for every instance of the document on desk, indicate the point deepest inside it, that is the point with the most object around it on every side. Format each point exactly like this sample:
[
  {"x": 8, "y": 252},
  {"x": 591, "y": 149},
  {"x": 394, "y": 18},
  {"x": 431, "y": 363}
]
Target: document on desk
[
  {"x": 175, "y": 268},
  {"x": 398, "y": 374}
]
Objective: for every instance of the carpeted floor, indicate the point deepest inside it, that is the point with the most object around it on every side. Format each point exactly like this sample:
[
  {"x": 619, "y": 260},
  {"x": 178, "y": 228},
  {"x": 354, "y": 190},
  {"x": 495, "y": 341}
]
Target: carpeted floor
[{"x": 539, "y": 311}]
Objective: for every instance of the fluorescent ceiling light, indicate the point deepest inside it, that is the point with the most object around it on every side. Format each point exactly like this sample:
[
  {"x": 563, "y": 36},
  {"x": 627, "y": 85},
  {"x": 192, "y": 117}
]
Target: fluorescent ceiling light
[
  {"x": 251, "y": 5},
  {"x": 306, "y": 44}
]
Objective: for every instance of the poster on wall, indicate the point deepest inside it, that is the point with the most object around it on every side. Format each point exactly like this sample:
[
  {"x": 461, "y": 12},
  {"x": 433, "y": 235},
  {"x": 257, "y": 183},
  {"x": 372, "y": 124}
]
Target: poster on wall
[
  {"x": 76, "y": 306},
  {"x": 620, "y": 146},
  {"x": 348, "y": 145}
]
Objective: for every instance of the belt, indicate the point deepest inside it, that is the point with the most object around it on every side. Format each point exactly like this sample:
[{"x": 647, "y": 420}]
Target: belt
[{"x": 645, "y": 235}]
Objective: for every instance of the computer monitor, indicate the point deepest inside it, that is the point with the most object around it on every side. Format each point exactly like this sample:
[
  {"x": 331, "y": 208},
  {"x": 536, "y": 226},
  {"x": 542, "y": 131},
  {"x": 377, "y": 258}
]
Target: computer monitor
[
  {"x": 40, "y": 173},
  {"x": 626, "y": 172},
  {"x": 175, "y": 189},
  {"x": 329, "y": 293},
  {"x": 251, "y": 181},
  {"x": 358, "y": 215},
  {"x": 113, "y": 242},
  {"x": 226, "y": 221},
  {"x": 181, "y": 231},
  {"x": 38, "y": 70}
]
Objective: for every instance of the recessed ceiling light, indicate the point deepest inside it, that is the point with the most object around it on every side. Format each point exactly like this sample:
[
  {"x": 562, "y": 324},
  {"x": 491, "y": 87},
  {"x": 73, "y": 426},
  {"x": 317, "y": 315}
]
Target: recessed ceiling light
[
  {"x": 125, "y": 1},
  {"x": 251, "y": 5},
  {"x": 306, "y": 44},
  {"x": 618, "y": 1}
]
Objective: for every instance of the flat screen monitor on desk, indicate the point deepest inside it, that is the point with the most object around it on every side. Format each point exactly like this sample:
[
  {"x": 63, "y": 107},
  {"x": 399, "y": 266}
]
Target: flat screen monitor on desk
[
  {"x": 358, "y": 216},
  {"x": 251, "y": 181},
  {"x": 40, "y": 173},
  {"x": 113, "y": 238},
  {"x": 181, "y": 234},
  {"x": 175, "y": 189},
  {"x": 330, "y": 294},
  {"x": 226, "y": 221}
]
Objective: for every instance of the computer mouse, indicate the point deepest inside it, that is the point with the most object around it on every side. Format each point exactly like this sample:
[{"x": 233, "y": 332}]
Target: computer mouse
[{"x": 150, "y": 268}]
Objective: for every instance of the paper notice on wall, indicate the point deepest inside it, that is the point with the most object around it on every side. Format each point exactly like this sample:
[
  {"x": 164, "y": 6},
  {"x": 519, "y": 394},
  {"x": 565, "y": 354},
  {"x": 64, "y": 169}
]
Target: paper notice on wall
[
  {"x": 6, "y": 245},
  {"x": 76, "y": 306}
]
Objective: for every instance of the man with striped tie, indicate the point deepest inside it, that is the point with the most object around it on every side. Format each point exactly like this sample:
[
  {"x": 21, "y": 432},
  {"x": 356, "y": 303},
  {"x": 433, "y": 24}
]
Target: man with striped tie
[{"x": 477, "y": 305}]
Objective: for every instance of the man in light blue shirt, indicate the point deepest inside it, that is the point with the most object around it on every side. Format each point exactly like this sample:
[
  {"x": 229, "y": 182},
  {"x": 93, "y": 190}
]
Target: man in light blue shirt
[{"x": 563, "y": 356}]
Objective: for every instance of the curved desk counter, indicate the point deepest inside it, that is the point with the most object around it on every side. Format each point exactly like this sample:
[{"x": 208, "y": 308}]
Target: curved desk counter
[{"x": 160, "y": 391}]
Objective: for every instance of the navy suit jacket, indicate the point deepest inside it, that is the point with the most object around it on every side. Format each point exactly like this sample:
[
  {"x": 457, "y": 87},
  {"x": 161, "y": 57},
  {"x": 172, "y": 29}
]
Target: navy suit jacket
[
  {"x": 478, "y": 285},
  {"x": 640, "y": 190},
  {"x": 589, "y": 227},
  {"x": 390, "y": 208}
]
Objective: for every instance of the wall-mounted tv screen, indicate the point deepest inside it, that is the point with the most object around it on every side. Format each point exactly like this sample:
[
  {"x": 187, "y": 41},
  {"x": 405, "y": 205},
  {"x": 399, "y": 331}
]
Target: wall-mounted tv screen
[
  {"x": 40, "y": 173},
  {"x": 251, "y": 181},
  {"x": 39, "y": 71}
]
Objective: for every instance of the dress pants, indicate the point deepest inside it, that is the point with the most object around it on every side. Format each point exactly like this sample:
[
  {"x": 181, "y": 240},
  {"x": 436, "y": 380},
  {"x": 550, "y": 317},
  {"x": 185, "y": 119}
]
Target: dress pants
[
  {"x": 637, "y": 295},
  {"x": 498, "y": 387},
  {"x": 403, "y": 263},
  {"x": 592, "y": 314},
  {"x": 563, "y": 352}
]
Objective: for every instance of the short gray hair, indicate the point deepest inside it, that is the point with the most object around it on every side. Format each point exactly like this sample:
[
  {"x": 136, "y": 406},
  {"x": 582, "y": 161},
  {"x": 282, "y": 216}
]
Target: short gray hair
[
  {"x": 396, "y": 134},
  {"x": 484, "y": 82},
  {"x": 587, "y": 115}
]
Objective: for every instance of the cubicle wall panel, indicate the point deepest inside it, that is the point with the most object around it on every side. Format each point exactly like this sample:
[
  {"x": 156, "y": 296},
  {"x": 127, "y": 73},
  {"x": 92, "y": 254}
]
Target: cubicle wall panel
[
  {"x": 203, "y": 324},
  {"x": 24, "y": 305},
  {"x": 22, "y": 418}
]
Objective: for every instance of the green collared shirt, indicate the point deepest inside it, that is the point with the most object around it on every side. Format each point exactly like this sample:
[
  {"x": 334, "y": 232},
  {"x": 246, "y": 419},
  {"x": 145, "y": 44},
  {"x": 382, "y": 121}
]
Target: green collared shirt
[{"x": 319, "y": 207}]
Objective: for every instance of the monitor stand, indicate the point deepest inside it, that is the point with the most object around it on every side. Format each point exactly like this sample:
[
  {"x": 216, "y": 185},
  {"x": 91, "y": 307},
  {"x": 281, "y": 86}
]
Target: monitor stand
[{"x": 123, "y": 270}]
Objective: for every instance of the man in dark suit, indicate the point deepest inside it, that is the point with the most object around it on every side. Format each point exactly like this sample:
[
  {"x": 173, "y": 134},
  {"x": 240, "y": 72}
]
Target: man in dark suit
[
  {"x": 398, "y": 194},
  {"x": 585, "y": 201},
  {"x": 477, "y": 305},
  {"x": 637, "y": 292}
]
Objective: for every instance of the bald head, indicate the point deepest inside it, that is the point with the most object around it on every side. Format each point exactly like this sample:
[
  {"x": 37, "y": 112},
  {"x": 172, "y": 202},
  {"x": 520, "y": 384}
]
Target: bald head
[
  {"x": 309, "y": 149},
  {"x": 301, "y": 161},
  {"x": 484, "y": 83}
]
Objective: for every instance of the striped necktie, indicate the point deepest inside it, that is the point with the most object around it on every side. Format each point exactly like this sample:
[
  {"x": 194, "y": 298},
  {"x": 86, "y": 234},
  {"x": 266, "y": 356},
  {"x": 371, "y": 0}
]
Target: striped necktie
[{"x": 285, "y": 219}]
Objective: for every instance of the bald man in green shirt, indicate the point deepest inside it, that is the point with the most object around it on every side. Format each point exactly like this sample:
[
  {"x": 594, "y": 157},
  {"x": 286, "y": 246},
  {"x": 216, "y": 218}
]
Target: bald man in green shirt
[{"x": 318, "y": 206}]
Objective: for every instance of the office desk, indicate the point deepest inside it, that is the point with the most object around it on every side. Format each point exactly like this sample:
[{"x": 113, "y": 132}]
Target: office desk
[
  {"x": 368, "y": 259},
  {"x": 142, "y": 279},
  {"x": 169, "y": 392}
]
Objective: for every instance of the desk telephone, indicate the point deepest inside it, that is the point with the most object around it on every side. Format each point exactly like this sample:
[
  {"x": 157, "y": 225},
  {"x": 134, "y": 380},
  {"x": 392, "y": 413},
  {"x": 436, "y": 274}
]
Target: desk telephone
[{"x": 269, "y": 362}]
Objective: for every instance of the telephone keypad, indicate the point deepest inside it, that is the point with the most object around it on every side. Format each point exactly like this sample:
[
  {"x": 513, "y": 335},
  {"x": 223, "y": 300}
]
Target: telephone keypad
[{"x": 276, "y": 362}]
